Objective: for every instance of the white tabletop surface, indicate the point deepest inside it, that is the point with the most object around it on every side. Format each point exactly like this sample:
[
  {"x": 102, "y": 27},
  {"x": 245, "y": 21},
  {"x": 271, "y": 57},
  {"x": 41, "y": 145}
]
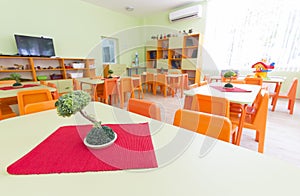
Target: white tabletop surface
[
  {"x": 234, "y": 97},
  {"x": 189, "y": 163},
  {"x": 90, "y": 80},
  {"x": 14, "y": 92}
]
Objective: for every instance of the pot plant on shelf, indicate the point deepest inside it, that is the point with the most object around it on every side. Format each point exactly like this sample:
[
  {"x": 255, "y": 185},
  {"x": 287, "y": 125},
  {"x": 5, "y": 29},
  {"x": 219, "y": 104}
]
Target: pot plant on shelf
[
  {"x": 17, "y": 78},
  {"x": 229, "y": 74},
  {"x": 99, "y": 136},
  {"x": 110, "y": 72}
]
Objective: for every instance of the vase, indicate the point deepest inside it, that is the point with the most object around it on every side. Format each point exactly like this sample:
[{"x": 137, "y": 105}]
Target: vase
[{"x": 100, "y": 137}]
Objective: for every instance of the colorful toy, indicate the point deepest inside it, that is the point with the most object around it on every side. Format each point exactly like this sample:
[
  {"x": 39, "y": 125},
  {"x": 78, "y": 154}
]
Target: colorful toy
[{"x": 261, "y": 69}]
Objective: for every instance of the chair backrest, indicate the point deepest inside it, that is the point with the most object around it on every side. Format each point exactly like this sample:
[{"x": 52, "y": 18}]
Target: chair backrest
[
  {"x": 150, "y": 77},
  {"x": 137, "y": 82},
  {"x": 259, "y": 119},
  {"x": 76, "y": 84},
  {"x": 185, "y": 81},
  {"x": 254, "y": 81},
  {"x": 39, "y": 106},
  {"x": 6, "y": 111},
  {"x": 110, "y": 87},
  {"x": 126, "y": 85},
  {"x": 293, "y": 88},
  {"x": 43, "y": 82},
  {"x": 161, "y": 79},
  {"x": 32, "y": 96},
  {"x": 54, "y": 94},
  {"x": 211, "y": 104},
  {"x": 7, "y": 81},
  {"x": 215, "y": 126},
  {"x": 145, "y": 108}
]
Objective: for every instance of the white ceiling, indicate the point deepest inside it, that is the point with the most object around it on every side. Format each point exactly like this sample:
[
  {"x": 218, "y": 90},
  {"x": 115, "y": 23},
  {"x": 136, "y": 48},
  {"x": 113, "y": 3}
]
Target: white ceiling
[{"x": 141, "y": 7}]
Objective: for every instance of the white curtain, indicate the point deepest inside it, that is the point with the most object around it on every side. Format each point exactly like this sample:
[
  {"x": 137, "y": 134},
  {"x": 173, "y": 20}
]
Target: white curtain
[{"x": 240, "y": 33}]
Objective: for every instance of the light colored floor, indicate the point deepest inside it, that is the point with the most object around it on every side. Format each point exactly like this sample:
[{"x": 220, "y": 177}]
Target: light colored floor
[{"x": 283, "y": 130}]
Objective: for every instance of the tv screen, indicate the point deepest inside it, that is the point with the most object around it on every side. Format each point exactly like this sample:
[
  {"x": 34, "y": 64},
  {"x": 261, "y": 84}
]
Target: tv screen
[{"x": 34, "y": 46}]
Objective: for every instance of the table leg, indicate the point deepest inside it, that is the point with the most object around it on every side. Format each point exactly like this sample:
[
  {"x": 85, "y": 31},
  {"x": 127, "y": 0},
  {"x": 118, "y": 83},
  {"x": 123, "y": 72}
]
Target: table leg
[
  {"x": 276, "y": 94},
  {"x": 241, "y": 124}
]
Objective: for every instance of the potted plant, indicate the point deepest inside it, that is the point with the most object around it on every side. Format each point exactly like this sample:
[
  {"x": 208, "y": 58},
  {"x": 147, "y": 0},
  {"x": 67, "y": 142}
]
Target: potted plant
[
  {"x": 99, "y": 136},
  {"x": 110, "y": 72},
  {"x": 229, "y": 74},
  {"x": 17, "y": 78}
]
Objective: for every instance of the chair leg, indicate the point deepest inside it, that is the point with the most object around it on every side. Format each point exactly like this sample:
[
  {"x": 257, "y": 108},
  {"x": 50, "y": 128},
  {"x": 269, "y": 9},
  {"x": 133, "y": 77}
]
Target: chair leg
[
  {"x": 274, "y": 103},
  {"x": 291, "y": 106},
  {"x": 261, "y": 142},
  {"x": 257, "y": 136}
]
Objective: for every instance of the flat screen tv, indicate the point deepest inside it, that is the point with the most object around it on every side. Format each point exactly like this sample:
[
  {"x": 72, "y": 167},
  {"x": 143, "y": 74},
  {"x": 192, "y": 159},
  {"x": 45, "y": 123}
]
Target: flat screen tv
[{"x": 34, "y": 46}]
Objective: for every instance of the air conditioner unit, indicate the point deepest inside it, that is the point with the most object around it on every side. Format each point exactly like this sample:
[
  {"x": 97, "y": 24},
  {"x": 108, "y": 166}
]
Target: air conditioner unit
[{"x": 186, "y": 13}]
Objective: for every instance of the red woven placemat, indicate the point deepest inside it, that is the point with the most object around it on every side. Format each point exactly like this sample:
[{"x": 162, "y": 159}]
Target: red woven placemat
[
  {"x": 24, "y": 86},
  {"x": 234, "y": 89},
  {"x": 64, "y": 152}
]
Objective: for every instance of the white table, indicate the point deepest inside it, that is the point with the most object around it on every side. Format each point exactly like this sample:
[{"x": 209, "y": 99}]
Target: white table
[
  {"x": 225, "y": 169},
  {"x": 242, "y": 98},
  {"x": 14, "y": 92},
  {"x": 234, "y": 97}
]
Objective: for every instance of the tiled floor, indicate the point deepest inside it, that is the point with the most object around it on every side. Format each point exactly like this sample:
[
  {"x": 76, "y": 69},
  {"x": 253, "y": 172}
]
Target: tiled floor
[{"x": 283, "y": 130}]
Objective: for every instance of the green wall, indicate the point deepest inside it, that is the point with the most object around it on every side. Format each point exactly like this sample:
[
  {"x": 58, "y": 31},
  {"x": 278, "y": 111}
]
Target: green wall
[{"x": 75, "y": 26}]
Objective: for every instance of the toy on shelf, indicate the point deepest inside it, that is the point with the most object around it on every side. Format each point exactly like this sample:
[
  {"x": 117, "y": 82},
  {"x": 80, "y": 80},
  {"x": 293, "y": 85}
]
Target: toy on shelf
[{"x": 262, "y": 69}]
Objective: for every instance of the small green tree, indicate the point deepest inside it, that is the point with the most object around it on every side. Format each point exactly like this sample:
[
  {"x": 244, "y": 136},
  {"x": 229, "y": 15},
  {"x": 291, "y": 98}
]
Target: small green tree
[
  {"x": 76, "y": 101},
  {"x": 110, "y": 72},
  {"x": 229, "y": 74},
  {"x": 17, "y": 78}
]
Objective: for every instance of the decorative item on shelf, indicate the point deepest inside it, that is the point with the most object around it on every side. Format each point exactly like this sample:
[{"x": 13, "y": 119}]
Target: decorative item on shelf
[
  {"x": 56, "y": 76},
  {"x": 99, "y": 136},
  {"x": 18, "y": 66},
  {"x": 262, "y": 69},
  {"x": 17, "y": 78},
  {"x": 229, "y": 74},
  {"x": 110, "y": 72}
]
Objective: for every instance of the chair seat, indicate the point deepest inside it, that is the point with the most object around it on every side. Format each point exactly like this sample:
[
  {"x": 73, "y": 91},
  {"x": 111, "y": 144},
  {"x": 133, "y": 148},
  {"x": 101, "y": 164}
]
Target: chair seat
[{"x": 6, "y": 112}]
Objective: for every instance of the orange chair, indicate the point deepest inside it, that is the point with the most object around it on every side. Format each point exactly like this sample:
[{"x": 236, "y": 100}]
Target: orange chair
[
  {"x": 214, "y": 105},
  {"x": 254, "y": 81},
  {"x": 39, "y": 106},
  {"x": 144, "y": 108},
  {"x": 6, "y": 112},
  {"x": 7, "y": 81},
  {"x": 161, "y": 81},
  {"x": 206, "y": 78},
  {"x": 211, "y": 104},
  {"x": 8, "y": 100},
  {"x": 126, "y": 86},
  {"x": 43, "y": 82},
  {"x": 290, "y": 95},
  {"x": 76, "y": 84},
  {"x": 177, "y": 83},
  {"x": 137, "y": 85},
  {"x": 215, "y": 126},
  {"x": 54, "y": 94},
  {"x": 32, "y": 96},
  {"x": 107, "y": 91},
  {"x": 238, "y": 81},
  {"x": 150, "y": 81},
  {"x": 257, "y": 120},
  {"x": 185, "y": 81}
]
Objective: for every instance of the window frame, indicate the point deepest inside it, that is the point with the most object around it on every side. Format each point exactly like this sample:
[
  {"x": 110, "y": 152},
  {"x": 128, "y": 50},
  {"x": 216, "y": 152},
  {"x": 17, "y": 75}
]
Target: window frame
[{"x": 111, "y": 50}]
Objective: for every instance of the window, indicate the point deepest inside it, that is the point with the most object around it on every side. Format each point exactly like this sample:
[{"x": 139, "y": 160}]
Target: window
[
  {"x": 241, "y": 33},
  {"x": 109, "y": 50}
]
